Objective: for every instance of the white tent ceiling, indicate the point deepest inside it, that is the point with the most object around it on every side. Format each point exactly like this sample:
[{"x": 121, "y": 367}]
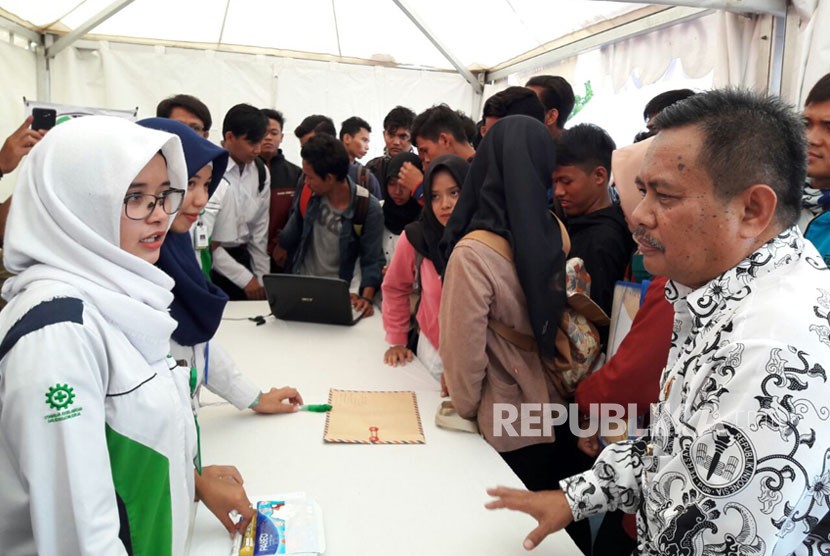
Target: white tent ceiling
[
  {"x": 344, "y": 57},
  {"x": 476, "y": 34},
  {"x": 360, "y": 29}
]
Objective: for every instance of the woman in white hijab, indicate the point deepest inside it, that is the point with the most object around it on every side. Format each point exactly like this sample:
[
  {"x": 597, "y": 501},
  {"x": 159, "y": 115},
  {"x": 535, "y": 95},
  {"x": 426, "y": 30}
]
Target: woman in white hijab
[{"x": 97, "y": 442}]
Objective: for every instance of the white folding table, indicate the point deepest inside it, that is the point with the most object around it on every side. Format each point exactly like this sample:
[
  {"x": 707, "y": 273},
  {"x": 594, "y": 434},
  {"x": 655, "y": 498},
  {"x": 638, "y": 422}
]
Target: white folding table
[{"x": 376, "y": 499}]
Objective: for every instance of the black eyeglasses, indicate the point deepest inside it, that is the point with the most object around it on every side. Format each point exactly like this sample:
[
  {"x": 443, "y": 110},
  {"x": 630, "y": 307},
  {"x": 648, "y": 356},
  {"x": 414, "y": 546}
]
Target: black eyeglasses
[{"x": 138, "y": 206}]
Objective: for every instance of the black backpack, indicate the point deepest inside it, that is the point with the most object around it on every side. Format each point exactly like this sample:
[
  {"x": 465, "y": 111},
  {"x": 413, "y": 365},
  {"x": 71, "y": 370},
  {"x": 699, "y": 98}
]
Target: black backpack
[{"x": 260, "y": 168}]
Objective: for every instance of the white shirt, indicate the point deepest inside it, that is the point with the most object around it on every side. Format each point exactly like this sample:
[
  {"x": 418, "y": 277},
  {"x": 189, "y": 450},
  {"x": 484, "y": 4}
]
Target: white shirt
[
  {"x": 242, "y": 219},
  {"x": 227, "y": 231},
  {"x": 739, "y": 456},
  {"x": 390, "y": 241},
  {"x": 217, "y": 372}
]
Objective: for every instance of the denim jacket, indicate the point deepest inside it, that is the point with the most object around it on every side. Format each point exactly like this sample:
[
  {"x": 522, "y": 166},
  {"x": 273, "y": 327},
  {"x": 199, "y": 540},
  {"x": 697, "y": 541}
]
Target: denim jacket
[{"x": 296, "y": 239}]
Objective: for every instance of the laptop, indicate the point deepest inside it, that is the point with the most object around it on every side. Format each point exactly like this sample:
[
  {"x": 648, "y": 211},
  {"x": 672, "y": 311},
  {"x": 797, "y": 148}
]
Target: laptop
[{"x": 310, "y": 299}]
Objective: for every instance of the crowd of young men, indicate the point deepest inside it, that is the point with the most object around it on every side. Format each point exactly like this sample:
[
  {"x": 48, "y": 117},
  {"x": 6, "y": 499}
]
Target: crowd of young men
[{"x": 717, "y": 220}]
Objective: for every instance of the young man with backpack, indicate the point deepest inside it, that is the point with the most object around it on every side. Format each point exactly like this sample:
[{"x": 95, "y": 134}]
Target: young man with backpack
[
  {"x": 339, "y": 223},
  {"x": 354, "y": 133},
  {"x": 240, "y": 237}
]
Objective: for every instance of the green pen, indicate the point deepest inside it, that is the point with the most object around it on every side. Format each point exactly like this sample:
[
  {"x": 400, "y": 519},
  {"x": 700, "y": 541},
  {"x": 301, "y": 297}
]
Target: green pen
[{"x": 322, "y": 408}]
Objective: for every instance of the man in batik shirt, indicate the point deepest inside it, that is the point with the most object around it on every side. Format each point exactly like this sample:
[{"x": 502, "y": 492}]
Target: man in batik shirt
[{"x": 738, "y": 457}]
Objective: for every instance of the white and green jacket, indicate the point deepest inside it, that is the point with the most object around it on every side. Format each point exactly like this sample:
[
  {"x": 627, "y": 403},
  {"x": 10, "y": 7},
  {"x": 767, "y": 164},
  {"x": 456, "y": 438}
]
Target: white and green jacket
[{"x": 96, "y": 443}]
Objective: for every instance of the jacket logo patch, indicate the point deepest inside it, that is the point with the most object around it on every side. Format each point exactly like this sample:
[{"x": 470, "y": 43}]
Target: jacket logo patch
[
  {"x": 720, "y": 462},
  {"x": 59, "y": 397}
]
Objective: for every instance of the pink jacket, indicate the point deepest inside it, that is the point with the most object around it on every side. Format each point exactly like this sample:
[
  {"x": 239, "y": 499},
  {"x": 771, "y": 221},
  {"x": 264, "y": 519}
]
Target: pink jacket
[{"x": 397, "y": 287}]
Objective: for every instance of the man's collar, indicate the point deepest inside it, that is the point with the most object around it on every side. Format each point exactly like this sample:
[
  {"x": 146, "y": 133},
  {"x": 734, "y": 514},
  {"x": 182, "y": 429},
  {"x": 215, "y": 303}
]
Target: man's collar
[
  {"x": 231, "y": 164},
  {"x": 722, "y": 293},
  {"x": 277, "y": 157}
]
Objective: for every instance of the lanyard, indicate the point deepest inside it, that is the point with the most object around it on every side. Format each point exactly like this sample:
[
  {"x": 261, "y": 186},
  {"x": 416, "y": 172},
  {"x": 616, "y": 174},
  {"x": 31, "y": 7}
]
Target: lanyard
[
  {"x": 207, "y": 360},
  {"x": 197, "y": 460}
]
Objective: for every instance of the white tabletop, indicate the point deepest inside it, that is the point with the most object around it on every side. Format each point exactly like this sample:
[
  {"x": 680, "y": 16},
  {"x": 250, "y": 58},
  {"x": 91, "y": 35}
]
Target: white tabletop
[{"x": 376, "y": 500}]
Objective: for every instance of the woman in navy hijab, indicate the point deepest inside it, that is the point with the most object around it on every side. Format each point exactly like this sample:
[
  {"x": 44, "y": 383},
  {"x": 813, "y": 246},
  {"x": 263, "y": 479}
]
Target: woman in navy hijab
[
  {"x": 197, "y": 308},
  {"x": 197, "y": 304}
]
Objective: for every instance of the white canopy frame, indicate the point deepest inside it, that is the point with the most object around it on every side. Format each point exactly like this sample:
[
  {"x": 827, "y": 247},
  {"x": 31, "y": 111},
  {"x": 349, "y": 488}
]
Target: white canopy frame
[
  {"x": 774, "y": 7},
  {"x": 766, "y": 50},
  {"x": 49, "y": 45}
]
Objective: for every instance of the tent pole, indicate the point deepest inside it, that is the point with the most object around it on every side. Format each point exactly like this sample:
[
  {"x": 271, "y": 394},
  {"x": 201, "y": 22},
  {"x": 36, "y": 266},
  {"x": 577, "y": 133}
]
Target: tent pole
[
  {"x": 478, "y": 98},
  {"x": 775, "y": 7},
  {"x": 37, "y": 43},
  {"x": 776, "y": 58},
  {"x": 86, "y": 27},
  {"x": 43, "y": 73},
  {"x": 467, "y": 74}
]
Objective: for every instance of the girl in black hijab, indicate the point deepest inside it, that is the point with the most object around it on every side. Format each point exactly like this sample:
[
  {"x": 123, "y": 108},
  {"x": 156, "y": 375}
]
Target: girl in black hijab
[
  {"x": 508, "y": 272},
  {"x": 506, "y": 194},
  {"x": 418, "y": 258}
]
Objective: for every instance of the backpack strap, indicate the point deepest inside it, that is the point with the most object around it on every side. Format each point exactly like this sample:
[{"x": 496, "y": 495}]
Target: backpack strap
[
  {"x": 362, "y": 175},
  {"x": 493, "y": 241},
  {"x": 260, "y": 168},
  {"x": 501, "y": 246},
  {"x": 566, "y": 238},
  {"x": 576, "y": 346},
  {"x": 524, "y": 342},
  {"x": 361, "y": 209}
]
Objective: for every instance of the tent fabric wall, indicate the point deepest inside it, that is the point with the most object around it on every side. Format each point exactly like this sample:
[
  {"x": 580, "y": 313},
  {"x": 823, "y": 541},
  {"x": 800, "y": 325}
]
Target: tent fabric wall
[
  {"x": 125, "y": 76},
  {"x": 17, "y": 66},
  {"x": 740, "y": 50},
  {"x": 626, "y": 74},
  {"x": 341, "y": 91},
  {"x": 649, "y": 56},
  {"x": 811, "y": 56}
]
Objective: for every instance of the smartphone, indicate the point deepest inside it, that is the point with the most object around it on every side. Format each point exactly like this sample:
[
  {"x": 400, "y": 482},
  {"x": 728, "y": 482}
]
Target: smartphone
[{"x": 44, "y": 118}]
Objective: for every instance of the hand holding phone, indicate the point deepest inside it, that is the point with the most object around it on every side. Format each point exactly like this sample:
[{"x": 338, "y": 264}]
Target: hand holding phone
[
  {"x": 17, "y": 145},
  {"x": 44, "y": 118}
]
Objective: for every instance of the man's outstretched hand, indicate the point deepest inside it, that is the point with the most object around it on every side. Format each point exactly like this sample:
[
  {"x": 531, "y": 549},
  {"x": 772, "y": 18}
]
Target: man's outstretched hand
[{"x": 549, "y": 508}]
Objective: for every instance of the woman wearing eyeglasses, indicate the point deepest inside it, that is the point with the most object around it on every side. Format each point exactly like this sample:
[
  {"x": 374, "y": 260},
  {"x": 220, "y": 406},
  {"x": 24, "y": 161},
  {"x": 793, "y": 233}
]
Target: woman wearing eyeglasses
[{"x": 97, "y": 440}]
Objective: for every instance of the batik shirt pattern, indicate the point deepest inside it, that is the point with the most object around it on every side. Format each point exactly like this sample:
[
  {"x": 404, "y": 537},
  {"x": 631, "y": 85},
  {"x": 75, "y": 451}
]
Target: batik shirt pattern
[{"x": 738, "y": 457}]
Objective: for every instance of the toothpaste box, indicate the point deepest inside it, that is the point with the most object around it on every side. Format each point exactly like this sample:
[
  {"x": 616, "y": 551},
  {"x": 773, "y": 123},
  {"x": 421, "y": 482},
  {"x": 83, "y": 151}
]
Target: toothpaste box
[
  {"x": 288, "y": 524},
  {"x": 270, "y": 528}
]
